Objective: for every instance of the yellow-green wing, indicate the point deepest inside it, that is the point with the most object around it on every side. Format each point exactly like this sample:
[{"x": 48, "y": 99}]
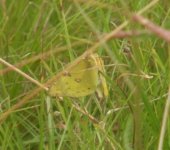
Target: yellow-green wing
[
  {"x": 81, "y": 81},
  {"x": 102, "y": 90}
]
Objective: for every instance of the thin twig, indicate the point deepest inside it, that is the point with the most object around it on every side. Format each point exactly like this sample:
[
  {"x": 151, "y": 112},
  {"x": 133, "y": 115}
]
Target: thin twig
[
  {"x": 164, "y": 122},
  {"x": 23, "y": 74},
  {"x": 85, "y": 112},
  {"x": 43, "y": 56},
  {"x": 23, "y": 101},
  {"x": 160, "y": 32}
]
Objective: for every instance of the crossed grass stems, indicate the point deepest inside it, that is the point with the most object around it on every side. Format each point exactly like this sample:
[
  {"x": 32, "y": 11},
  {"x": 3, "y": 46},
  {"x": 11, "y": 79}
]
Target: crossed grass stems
[{"x": 117, "y": 33}]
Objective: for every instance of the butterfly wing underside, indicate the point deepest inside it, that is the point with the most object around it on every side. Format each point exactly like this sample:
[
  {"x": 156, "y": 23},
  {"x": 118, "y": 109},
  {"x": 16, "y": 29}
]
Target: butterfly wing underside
[
  {"x": 81, "y": 81},
  {"x": 102, "y": 90}
]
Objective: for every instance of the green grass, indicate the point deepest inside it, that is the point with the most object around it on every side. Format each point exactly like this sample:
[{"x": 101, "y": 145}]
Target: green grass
[{"x": 130, "y": 118}]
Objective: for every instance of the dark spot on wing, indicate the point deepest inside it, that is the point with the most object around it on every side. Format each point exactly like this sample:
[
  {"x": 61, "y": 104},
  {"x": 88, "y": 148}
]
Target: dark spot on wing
[
  {"x": 66, "y": 73},
  {"x": 77, "y": 80}
]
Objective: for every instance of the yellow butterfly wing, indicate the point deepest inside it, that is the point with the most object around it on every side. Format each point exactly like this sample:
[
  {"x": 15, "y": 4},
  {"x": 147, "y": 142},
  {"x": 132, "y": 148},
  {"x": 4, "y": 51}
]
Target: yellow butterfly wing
[
  {"x": 102, "y": 90},
  {"x": 81, "y": 81}
]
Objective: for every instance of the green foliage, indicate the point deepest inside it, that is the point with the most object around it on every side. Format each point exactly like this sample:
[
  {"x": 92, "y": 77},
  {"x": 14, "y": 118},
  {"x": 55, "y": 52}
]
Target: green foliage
[{"x": 137, "y": 75}]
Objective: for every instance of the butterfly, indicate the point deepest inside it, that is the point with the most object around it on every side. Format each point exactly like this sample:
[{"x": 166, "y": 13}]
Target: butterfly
[{"x": 83, "y": 79}]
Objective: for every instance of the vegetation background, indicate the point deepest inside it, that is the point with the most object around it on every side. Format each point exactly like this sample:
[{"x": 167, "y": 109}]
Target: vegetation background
[{"x": 137, "y": 75}]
